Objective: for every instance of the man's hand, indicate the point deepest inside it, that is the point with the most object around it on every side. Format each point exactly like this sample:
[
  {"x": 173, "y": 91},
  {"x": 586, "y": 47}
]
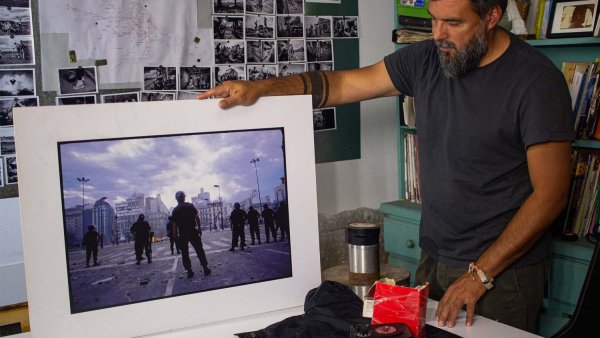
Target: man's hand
[
  {"x": 466, "y": 290},
  {"x": 234, "y": 93}
]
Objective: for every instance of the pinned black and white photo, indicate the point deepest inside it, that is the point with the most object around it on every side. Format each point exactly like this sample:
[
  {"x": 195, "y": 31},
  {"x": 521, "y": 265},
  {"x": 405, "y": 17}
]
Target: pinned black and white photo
[
  {"x": 261, "y": 72},
  {"x": 7, "y": 105},
  {"x": 345, "y": 27},
  {"x": 10, "y": 166},
  {"x": 285, "y": 69},
  {"x": 319, "y": 66},
  {"x": 260, "y": 26},
  {"x": 316, "y": 27},
  {"x": 230, "y": 52},
  {"x": 7, "y": 145},
  {"x": 290, "y": 26},
  {"x": 290, "y": 6},
  {"x": 292, "y": 50},
  {"x": 77, "y": 80},
  {"x": 120, "y": 97},
  {"x": 260, "y": 6},
  {"x": 228, "y": 6},
  {"x": 260, "y": 51},
  {"x": 147, "y": 96},
  {"x": 229, "y": 72},
  {"x": 72, "y": 100},
  {"x": 319, "y": 50},
  {"x": 15, "y": 21},
  {"x": 188, "y": 94},
  {"x": 15, "y": 3},
  {"x": 324, "y": 119},
  {"x": 17, "y": 50},
  {"x": 195, "y": 78},
  {"x": 160, "y": 78},
  {"x": 17, "y": 82},
  {"x": 228, "y": 27}
]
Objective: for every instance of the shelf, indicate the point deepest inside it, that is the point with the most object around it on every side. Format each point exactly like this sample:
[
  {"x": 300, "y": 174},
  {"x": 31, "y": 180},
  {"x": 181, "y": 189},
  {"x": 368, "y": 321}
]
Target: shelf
[
  {"x": 595, "y": 144},
  {"x": 564, "y": 42}
]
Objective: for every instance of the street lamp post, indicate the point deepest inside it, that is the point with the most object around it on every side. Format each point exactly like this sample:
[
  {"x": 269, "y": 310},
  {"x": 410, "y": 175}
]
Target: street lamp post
[
  {"x": 220, "y": 205},
  {"x": 254, "y": 161},
  {"x": 83, "y": 181}
]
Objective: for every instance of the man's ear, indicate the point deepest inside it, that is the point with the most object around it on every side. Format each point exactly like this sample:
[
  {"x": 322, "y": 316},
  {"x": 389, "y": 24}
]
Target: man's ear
[{"x": 494, "y": 17}]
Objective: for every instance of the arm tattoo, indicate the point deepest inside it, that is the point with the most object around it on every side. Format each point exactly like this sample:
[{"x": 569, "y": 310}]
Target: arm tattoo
[{"x": 316, "y": 84}]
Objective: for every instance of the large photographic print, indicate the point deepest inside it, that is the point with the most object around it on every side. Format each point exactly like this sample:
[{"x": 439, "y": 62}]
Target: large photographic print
[
  {"x": 89, "y": 173},
  {"x": 230, "y": 178}
]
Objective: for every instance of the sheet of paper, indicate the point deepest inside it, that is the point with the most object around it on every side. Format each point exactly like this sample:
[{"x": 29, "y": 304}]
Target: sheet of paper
[{"x": 129, "y": 34}]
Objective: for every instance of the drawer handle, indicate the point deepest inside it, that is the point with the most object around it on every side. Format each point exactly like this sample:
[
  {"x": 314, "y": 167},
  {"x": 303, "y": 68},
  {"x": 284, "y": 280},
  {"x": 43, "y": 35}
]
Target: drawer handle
[{"x": 409, "y": 243}]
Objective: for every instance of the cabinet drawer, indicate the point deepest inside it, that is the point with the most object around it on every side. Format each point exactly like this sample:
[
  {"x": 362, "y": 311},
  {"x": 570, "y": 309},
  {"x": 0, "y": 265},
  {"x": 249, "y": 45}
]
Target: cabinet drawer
[{"x": 401, "y": 238}]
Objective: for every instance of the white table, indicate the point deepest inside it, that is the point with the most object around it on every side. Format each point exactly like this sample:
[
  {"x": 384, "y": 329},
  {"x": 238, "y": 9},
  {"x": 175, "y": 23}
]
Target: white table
[{"x": 482, "y": 327}]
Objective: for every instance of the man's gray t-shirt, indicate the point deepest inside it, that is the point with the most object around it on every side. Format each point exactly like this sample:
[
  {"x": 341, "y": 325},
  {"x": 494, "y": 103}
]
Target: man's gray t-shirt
[{"x": 473, "y": 136}]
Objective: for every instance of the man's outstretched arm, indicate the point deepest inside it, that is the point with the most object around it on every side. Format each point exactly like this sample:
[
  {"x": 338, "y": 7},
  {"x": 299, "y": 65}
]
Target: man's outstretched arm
[{"x": 328, "y": 89}]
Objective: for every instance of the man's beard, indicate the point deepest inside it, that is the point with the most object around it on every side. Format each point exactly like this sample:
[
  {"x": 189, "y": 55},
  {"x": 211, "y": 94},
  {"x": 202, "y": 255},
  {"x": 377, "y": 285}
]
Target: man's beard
[{"x": 465, "y": 59}]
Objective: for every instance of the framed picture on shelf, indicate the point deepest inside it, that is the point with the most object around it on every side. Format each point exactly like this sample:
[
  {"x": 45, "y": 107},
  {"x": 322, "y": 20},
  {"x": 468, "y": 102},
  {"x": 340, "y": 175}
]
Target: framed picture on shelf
[{"x": 572, "y": 18}]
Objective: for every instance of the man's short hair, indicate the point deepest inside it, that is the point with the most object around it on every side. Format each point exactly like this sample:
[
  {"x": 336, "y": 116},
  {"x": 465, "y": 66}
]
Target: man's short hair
[{"x": 180, "y": 194}]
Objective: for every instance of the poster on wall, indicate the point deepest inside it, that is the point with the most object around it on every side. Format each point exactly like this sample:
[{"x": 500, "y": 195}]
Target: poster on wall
[{"x": 111, "y": 172}]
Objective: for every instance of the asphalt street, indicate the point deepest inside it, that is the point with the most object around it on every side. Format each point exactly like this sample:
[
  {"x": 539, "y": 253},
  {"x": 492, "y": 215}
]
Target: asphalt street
[{"x": 118, "y": 280}]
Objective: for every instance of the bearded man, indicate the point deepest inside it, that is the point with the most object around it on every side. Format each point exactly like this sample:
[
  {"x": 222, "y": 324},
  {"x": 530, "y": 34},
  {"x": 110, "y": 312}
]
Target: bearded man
[{"x": 493, "y": 117}]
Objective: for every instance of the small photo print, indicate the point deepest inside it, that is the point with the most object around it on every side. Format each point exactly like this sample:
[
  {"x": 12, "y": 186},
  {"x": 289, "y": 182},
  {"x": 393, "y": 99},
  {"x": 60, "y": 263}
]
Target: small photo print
[
  {"x": 290, "y": 6},
  {"x": 15, "y": 21},
  {"x": 228, "y": 27},
  {"x": 17, "y": 82},
  {"x": 319, "y": 50},
  {"x": 78, "y": 80},
  {"x": 292, "y": 50},
  {"x": 10, "y": 165},
  {"x": 187, "y": 94},
  {"x": 15, "y": 3},
  {"x": 7, "y": 105},
  {"x": 229, "y": 52},
  {"x": 228, "y": 6},
  {"x": 71, "y": 100},
  {"x": 261, "y": 72},
  {"x": 17, "y": 50},
  {"x": 260, "y": 51},
  {"x": 260, "y": 26},
  {"x": 160, "y": 78},
  {"x": 285, "y": 69},
  {"x": 324, "y": 119},
  {"x": 320, "y": 66},
  {"x": 229, "y": 72},
  {"x": 260, "y": 6},
  {"x": 317, "y": 27},
  {"x": 195, "y": 78},
  {"x": 120, "y": 97},
  {"x": 345, "y": 27},
  {"x": 7, "y": 145},
  {"x": 157, "y": 96},
  {"x": 290, "y": 26}
]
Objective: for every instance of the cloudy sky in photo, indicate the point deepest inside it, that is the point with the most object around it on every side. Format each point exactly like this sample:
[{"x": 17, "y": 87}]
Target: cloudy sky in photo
[{"x": 116, "y": 169}]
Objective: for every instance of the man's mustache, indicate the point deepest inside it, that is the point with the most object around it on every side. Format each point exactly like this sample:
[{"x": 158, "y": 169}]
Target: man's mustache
[{"x": 444, "y": 44}]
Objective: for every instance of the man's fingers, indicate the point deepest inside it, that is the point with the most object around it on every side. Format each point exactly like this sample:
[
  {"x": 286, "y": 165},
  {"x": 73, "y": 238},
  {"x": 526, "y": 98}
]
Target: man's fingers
[{"x": 470, "y": 314}]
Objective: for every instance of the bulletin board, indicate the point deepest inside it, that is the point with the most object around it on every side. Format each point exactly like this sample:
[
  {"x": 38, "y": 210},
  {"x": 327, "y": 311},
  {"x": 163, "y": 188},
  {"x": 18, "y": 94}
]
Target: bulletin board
[{"x": 336, "y": 144}]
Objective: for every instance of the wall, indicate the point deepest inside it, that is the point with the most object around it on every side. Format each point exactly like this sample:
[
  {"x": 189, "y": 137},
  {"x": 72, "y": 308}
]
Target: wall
[{"x": 372, "y": 179}]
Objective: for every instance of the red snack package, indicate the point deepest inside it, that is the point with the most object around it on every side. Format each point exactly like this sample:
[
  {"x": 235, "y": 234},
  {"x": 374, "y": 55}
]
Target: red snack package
[{"x": 401, "y": 304}]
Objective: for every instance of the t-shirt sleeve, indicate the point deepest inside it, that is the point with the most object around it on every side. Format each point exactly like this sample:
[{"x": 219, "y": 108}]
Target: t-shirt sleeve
[
  {"x": 545, "y": 112},
  {"x": 405, "y": 65}
]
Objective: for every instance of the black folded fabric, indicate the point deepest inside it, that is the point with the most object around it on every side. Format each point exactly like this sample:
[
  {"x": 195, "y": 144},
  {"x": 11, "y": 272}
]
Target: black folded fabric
[{"x": 329, "y": 312}]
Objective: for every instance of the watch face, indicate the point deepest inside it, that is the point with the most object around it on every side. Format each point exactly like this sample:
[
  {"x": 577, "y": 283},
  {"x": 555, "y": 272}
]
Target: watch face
[{"x": 386, "y": 329}]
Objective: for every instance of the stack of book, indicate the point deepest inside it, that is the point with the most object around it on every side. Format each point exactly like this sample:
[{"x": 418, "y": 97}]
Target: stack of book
[
  {"x": 411, "y": 168},
  {"x": 412, "y": 29},
  {"x": 583, "y": 79}
]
